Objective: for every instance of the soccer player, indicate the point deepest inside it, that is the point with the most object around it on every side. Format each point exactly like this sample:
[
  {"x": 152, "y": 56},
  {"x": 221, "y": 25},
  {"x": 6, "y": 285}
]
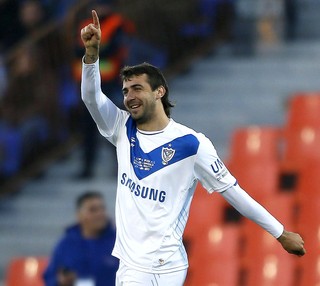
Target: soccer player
[{"x": 159, "y": 164}]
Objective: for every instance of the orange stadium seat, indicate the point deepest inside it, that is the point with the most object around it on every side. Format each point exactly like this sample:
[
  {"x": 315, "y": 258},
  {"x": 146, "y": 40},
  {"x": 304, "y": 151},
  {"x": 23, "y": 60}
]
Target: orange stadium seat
[
  {"x": 26, "y": 271},
  {"x": 219, "y": 241},
  {"x": 302, "y": 131},
  {"x": 255, "y": 144},
  {"x": 272, "y": 269},
  {"x": 301, "y": 145},
  {"x": 308, "y": 222},
  {"x": 206, "y": 210},
  {"x": 259, "y": 179},
  {"x": 215, "y": 257},
  {"x": 309, "y": 269},
  {"x": 257, "y": 240},
  {"x": 254, "y": 160},
  {"x": 309, "y": 182},
  {"x": 309, "y": 228},
  {"x": 304, "y": 109},
  {"x": 224, "y": 272},
  {"x": 264, "y": 261}
]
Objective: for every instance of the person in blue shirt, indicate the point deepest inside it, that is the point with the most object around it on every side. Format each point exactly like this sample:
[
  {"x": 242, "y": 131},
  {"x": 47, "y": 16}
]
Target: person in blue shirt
[{"x": 83, "y": 255}]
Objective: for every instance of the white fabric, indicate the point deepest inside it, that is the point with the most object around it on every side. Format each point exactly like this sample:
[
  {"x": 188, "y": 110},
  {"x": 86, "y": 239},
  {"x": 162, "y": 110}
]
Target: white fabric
[
  {"x": 127, "y": 276},
  {"x": 157, "y": 175},
  {"x": 249, "y": 208}
]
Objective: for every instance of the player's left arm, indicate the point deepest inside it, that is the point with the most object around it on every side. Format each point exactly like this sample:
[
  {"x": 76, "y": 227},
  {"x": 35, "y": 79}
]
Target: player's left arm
[
  {"x": 215, "y": 177},
  {"x": 248, "y": 207}
]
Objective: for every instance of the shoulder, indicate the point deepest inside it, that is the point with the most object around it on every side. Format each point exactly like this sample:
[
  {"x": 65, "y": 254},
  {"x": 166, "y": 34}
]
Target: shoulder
[
  {"x": 70, "y": 241},
  {"x": 110, "y": 230},
  {"x": 181, "y": 129},
  {"x": 71, "y": 234}
]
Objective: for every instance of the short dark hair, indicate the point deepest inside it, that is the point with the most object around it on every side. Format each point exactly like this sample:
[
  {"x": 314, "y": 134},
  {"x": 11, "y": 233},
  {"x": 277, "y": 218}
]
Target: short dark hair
[
  {"x": 155, "y": 79},
  {"x": 87, "y": 196}
]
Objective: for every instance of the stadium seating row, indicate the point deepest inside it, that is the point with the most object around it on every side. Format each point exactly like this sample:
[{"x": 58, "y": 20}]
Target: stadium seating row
[{"x": 279, "y": 167}]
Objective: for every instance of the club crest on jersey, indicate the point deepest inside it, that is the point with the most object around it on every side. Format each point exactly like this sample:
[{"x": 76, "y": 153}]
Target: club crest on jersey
[{"x": 167, "y": 154}]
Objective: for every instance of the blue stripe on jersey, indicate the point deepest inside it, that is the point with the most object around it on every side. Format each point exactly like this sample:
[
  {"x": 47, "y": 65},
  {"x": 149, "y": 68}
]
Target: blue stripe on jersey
[{"x": 145, "y": 164}]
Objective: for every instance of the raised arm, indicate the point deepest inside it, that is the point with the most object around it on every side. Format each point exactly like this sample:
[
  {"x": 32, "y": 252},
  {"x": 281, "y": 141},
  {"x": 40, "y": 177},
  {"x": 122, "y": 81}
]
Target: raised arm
[
  {"x": 91, "y": 37},
  {"x": 106, "y": 114}
]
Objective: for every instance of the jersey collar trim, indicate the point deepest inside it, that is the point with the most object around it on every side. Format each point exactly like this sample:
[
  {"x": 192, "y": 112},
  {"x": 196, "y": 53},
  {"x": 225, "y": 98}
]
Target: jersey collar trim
[{"x": 145, "y": 164}]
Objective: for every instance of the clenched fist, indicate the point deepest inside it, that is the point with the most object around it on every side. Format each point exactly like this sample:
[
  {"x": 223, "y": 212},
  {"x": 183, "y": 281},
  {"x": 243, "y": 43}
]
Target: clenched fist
[
  {"x": 292, "y": 243},
  {"x": 91, "y": 36}
]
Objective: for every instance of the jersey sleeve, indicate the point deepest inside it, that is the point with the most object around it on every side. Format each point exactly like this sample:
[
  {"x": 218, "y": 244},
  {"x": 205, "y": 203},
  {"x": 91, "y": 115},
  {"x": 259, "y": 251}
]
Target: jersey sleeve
[
  {"x": 105, "y": 113},
  {"x": 251, "y": 209},
  {"x": 209, "y": 168}
]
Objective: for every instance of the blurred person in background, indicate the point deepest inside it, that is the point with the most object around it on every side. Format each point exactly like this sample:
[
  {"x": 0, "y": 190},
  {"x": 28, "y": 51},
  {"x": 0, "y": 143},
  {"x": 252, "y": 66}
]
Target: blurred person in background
[
  {"x": 3, "y": 77},
  {"x": 31, "y": 15},
  {"x": 112, "y": 56},
  {"x": 29, "y": 117},
  {"x": 83, "y": 254},
  {"x": 58, "y": 9},
  {"x": 9, "y": 23},
  {"x": 291, "y": 18},
  {"x": 27, "y": 110}
]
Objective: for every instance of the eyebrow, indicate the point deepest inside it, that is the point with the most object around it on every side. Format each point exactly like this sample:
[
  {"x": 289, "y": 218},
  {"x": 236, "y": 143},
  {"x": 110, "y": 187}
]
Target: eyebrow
[{"x": 132, "y": 86}]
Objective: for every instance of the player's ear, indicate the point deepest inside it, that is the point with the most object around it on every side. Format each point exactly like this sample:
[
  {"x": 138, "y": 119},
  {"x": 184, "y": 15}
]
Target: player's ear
[{"x": 160, "y": 92}]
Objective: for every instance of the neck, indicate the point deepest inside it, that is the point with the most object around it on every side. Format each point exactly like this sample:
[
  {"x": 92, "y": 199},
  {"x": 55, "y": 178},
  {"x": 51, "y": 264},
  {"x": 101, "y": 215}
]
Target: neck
[
  {"x": 154, "y": 124},
  {"x": 89, "y": 233}
]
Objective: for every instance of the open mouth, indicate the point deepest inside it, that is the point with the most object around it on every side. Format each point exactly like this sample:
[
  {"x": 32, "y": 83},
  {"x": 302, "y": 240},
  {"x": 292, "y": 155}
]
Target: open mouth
[{"x": 135, "y": 106}]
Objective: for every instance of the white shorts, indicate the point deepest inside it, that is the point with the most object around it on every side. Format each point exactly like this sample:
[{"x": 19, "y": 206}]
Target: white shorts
[{"x": 127, "y": 276}]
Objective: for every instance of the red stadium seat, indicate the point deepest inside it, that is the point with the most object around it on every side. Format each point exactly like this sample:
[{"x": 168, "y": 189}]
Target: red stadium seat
[
  {"x": 304, "y": 109},
  {"x": 302, "y": 131},
  {"x": 254, "y": 160},
  {"x": 255, "y": 144},
  {"x": 301, "y": 145},
  {"x": 215, "y": 273},
  {"x": 206, "y": 210},
  {"x": 309, "y": 228},
  {"x": 308, "y": 222},
  {"x": 26, "y": 271},
  {"x": 272, "y": 269},
  {"x": 264, "y": 261},
  {"x": 309, "y": 269},
  {"x": 219, "y": 241},
  {"x": 259, "y": 179},
  {"x": 214, "y": 255},
  {"x": 309, "y": 179},
  {"x": 255, "y": 238}
]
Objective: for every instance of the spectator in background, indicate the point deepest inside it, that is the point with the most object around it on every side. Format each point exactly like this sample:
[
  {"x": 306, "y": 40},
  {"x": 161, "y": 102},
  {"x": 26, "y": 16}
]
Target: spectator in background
[
  {"x": 3, "y": 78},
  {"x": 58, "y": 9},
  {"x": 84, "y": 252},
  {"x": 112, "y": 56},
  {"x": 31, "y": 15},
  {"x": 9, "y": 23},
  {"x": 291, "y": 18},
  {"x": 23, "y": 118}
]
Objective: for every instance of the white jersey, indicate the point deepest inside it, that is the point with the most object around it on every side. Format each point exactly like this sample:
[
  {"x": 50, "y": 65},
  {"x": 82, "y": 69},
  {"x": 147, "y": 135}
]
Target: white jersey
[{"x": 157, "y": 175}]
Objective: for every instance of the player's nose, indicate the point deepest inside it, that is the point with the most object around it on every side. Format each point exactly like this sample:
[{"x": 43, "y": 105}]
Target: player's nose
[{"x": 130, "y": 95}]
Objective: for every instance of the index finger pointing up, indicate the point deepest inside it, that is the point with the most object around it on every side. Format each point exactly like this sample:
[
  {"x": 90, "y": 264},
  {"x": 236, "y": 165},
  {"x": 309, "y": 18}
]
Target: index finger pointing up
[{"x": 95, "y": 19}]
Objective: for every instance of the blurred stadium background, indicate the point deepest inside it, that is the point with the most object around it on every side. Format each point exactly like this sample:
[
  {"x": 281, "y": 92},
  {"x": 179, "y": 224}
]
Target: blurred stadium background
[{"x": 244, "y": 72}]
